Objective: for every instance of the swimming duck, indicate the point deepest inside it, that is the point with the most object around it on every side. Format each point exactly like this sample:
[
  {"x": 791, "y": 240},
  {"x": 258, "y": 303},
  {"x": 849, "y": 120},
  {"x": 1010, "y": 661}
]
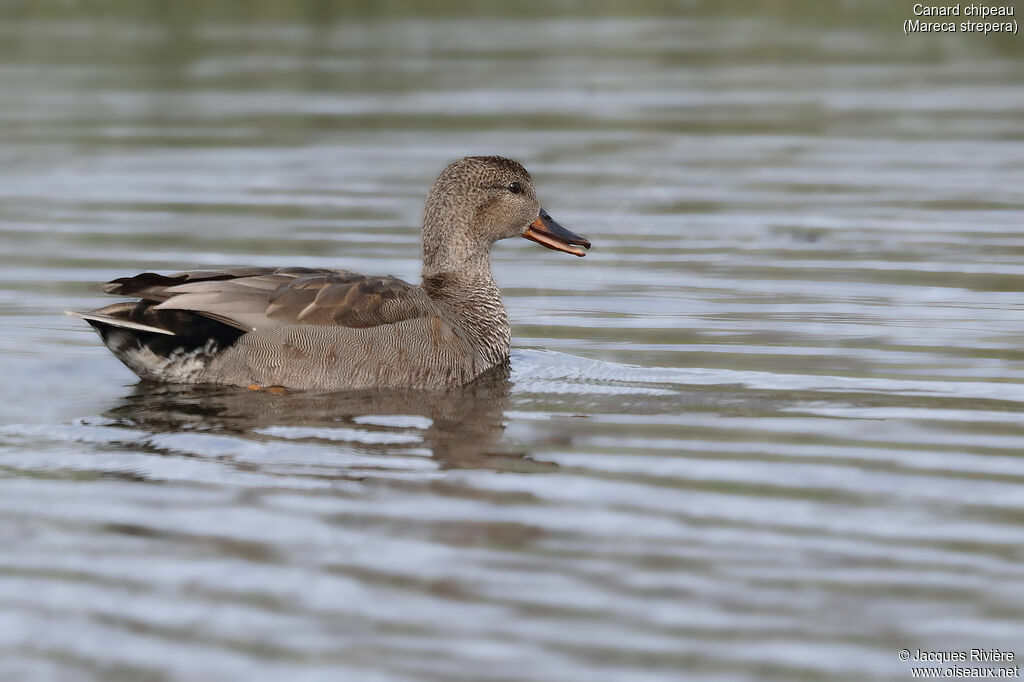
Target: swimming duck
[{"x": 324, "y": 329}]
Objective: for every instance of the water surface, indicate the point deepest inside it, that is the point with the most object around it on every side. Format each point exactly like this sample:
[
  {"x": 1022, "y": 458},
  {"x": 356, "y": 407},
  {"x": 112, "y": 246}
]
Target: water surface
[{"x": 770, "y": 428}]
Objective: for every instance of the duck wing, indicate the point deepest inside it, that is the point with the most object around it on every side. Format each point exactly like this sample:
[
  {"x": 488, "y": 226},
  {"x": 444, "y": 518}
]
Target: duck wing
[{"x": 259, "y": 298}]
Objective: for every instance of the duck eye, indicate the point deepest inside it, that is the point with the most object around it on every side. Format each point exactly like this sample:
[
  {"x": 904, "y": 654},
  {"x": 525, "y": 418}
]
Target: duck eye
[{"x": 514, "y": 188}]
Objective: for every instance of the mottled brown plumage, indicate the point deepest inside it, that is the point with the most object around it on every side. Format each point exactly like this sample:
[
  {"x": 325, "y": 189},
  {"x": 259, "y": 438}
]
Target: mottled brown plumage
[{"x": 335, "y": 329}]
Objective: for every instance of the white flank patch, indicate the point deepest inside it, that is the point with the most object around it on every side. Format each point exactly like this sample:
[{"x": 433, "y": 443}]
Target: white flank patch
[{"x": 181, "y": 365}]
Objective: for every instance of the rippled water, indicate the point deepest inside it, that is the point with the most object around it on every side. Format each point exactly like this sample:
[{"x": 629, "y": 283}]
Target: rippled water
[{"x": 770, "y": 428}]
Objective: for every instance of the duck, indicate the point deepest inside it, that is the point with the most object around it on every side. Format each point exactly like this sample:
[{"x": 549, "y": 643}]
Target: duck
[{"x": 335, "y": 330}]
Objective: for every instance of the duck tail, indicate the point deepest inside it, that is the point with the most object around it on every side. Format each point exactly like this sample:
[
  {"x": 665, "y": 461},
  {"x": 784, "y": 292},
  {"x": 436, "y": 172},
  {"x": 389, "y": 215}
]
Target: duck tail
[
  {"x": 174, "y": 346},
  {"x": 98, "y": 318}
]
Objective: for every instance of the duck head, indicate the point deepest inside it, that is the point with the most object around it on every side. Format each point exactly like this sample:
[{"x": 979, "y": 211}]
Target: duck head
[{"x": 478, "y": 200}]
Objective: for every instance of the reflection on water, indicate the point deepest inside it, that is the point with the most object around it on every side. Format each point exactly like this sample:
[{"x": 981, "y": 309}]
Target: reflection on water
[
  {"x": 459, "y": 428},
  {"x": 770, "y": 428}
]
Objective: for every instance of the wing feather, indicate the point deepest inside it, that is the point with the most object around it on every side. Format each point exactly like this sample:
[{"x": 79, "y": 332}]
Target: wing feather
[{"x": 260, "y": 298}]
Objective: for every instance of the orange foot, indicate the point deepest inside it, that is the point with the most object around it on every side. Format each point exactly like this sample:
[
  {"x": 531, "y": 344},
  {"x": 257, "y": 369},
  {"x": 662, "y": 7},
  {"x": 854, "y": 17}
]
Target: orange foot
[{"x": 276, "y": 390}]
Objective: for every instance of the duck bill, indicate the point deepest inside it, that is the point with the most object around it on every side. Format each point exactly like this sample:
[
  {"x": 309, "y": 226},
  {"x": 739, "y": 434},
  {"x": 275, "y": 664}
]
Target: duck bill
[{"x": 546, "y": 232}]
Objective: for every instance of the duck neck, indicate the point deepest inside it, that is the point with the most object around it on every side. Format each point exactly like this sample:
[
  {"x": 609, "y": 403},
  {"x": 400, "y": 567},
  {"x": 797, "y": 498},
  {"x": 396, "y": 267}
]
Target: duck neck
[{"x": 472, "y": 298}]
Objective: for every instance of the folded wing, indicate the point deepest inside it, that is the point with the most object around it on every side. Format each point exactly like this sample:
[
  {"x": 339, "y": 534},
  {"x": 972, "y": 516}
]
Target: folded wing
[{"x": 259, "y": 298}]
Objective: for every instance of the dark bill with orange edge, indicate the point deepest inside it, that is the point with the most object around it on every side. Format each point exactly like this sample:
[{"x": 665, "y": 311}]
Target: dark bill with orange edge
[{"x": 546, "y": 232}]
